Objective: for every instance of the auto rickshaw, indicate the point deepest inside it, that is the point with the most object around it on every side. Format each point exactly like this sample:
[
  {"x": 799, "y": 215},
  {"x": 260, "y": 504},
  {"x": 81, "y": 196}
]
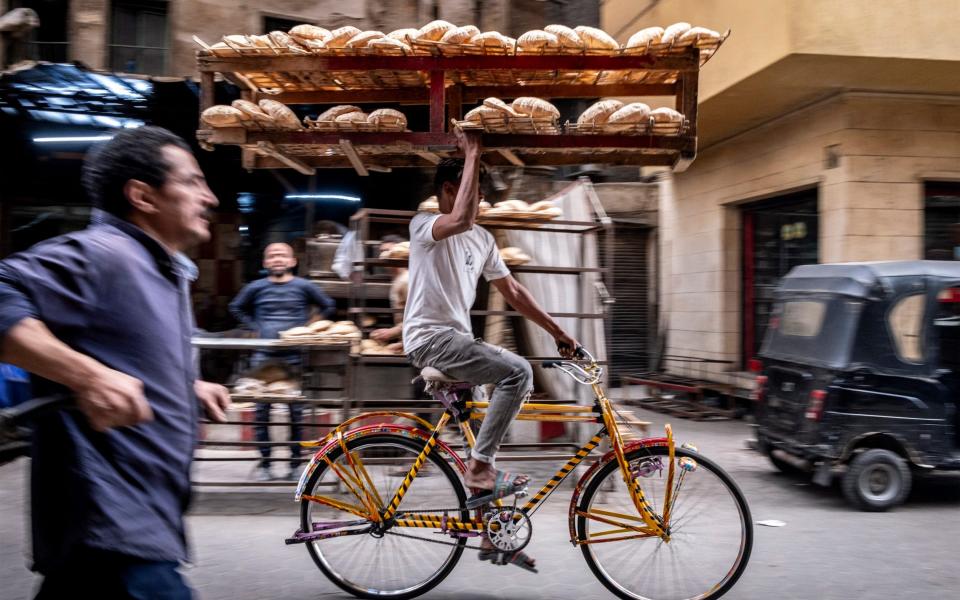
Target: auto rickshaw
[{"x": 860, "y": 375}]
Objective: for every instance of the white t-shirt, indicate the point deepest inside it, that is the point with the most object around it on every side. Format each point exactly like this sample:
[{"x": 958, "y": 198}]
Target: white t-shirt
[{"x": 443, "y": 279}]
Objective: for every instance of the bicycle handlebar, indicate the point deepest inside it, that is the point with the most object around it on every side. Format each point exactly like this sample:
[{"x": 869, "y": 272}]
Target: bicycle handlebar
[{"x": 575, "y": 370}]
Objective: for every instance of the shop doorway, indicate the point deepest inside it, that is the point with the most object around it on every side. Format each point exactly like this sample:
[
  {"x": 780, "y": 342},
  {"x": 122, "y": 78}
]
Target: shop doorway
[
  {"x": 941, "y": 221},
  {"x": 778, "y": 235}
]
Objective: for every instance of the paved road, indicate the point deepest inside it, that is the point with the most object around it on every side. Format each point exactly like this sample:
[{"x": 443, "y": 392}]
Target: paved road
[{"x": 825, "y": 551}]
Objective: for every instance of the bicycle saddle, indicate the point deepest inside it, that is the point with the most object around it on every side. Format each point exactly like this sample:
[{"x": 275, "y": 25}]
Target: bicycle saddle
[{"x": 429, "y": 374}]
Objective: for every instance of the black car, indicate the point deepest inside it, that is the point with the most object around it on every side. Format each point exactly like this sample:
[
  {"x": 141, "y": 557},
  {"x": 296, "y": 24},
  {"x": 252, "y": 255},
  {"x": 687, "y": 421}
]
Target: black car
[{"x": 860, "y": 375}]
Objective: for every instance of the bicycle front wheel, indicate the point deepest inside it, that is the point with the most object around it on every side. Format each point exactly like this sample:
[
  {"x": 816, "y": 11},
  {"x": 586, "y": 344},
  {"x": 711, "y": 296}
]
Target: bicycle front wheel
[
  {"x": 401, "y": 562},
  {"x": 711, "y": 532}
]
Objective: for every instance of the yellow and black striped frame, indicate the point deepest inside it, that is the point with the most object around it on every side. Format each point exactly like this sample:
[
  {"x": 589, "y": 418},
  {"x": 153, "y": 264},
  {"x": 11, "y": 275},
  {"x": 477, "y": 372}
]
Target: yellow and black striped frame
[{"x": 646, "y": 523}]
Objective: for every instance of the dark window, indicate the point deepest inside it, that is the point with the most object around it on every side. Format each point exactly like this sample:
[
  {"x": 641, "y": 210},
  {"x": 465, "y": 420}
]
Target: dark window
[
  {"x": 48, "y": 42},
  {"x": 778, "y": 235},
  {"x": 138, "y": 40},
  {"x": 941, "y": 222},
  {"x": 279, "y": 23}
]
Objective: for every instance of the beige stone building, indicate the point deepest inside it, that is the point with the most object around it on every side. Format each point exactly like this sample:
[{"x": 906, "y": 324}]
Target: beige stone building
[
  {"x": 155, "y": 37},
  {"x": 829, "y": 131}
]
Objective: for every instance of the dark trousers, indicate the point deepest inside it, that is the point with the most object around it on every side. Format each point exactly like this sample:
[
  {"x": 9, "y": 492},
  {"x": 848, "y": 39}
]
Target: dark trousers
[
  {"x": 111, "y": 576},
  {"x": 296, "y": 432}
]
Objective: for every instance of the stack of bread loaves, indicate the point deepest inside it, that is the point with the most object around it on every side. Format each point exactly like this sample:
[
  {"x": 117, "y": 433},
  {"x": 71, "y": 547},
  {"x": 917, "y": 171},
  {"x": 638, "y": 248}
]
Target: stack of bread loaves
[
  {"x": 613, "y": 116},
  {"x": 514, "y": 256},
  {"x": 544, "y": 209},
  {"x": 371, "y": 346},
  {"x": 431, "y": 205},
  {"x": 677, "y": 36},
  {"x": 268, "y": 114},
  {"x": 524, "y": 115},
  {"x": 322, "y": 331},
  {"x": 346, "y": 117},
  {"x": 400, "y": 250}
]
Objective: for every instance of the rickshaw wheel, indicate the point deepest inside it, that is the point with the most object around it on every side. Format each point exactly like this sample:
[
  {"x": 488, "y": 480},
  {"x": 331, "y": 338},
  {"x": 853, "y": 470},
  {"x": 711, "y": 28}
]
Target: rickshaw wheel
[{"x": 877, "y": 480}]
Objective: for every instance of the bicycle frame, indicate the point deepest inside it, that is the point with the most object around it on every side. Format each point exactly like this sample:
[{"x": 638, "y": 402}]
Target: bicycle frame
[{"x": 374, "y": 509}]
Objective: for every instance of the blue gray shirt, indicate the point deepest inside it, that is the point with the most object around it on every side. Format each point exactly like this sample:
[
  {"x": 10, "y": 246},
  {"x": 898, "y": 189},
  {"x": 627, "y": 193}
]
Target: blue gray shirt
[
  {"x": 113, "y": 293},
  {"x": 273, "y": 307}
]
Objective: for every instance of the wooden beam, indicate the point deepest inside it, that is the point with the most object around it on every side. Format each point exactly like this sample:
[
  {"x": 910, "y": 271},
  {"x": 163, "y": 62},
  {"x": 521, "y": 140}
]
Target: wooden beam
[
  {"x": 438, "y": 101},
  {"x": 429, "y": 157},
  {"x": 271, "y": 150},
  {"x": 510, "y": 156},
  {"x": 353, "y": 157}
]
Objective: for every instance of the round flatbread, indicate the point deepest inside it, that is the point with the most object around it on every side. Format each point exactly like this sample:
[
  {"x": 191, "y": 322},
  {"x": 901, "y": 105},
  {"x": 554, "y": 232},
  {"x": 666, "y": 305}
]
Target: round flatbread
[
  {"x": 536, "y": 40},
  {"x": 478, "y": 114},
  {"x": 284, "y": 117},
  {"x": 596, "y": 39},
  {"x": 363, "y": 38},
  {"x": 631, "y": 114},
  {"x": 649, "y": 35},
  {"x": 535, "y": 107},
  {"x": 223, "y": 116},
  {"x": 332, "y": 113},
  {"x": 599, "y": 112},
  {"x": 460, "y": 35},
  {"x": 388, "y": 116},
  {"x": 403, "y": 35},
  {"x": 434, "y": 30},
  {"x": 311, "y": 32},
  {"x": 673, "y": 32},
  {"x": 253, "y": 111},
  {"x": 666, "y": 115},
  {"x": 352, "y": 117},
  {"x": 339, "y": 37},
  {"x": 567, "y": 38},
  {"x": 387, "y": 44}
]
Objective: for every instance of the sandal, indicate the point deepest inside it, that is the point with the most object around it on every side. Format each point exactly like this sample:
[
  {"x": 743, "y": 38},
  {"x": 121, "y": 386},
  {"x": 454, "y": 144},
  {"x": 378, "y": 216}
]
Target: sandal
[
  {"x": 504, "y": 485},
  {"x": 519, "y": 558}
]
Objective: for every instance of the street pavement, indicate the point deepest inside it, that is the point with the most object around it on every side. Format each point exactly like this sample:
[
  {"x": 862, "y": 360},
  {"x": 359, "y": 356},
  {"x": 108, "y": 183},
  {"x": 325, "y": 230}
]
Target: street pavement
[{"x": 825, "y": 550}]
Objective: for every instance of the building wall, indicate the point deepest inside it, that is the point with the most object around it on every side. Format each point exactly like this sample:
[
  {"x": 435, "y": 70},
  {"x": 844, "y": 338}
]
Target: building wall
[{"x": 870, "y": 204}]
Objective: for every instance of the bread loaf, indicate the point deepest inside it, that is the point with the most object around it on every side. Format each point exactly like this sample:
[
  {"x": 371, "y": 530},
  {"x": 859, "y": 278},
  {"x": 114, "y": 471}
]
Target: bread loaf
[
  {"x": 511, "y": 206},
  {"x": 388, "y": 116},
  {"x": 339, "y": 37},
  {"x": 535, "y": 107},
  {"x": 222, "y": 49},
  {"x": 673, "y": 32},
  {"x": 363, "y": 38},
  {"x": 386, "y": 43},
  {"x": 631, "y": 114},
  {"x": 281, "y": 113},
  {"x": 310, "y": 44},
  {"x": 429, "y": 205},
  {"x": 404, "y": 35},
  {"x": 318, "y": 326},
  {"x": 253, "y": 111},
  {"x": 650, "y": 35},
  {"x": 460, "y": 35},
  {"x": 666, "y": 115},
  {"x": 260, "y": 41},
  {"x": 491, "y": 39},
  {"x": 280, "y": 39},
  {"x": 223, "y": 116},
  {"x": 700, "y": 36},
  {"x": 482, "y": 112},
  {"x": 238, "y": 41},
  {"x": 596, "y": 39},
  {"x": 501, "y": 106},
  {"x": 434, "y": 30},
  {"x": 352, "y": 117},
  {"x": 599, "y": 112},
  {"x": 311, "y": 32},
  {"x": 542, "y": 205},
  {"x": 332, "y": 113},
  {"x": 567, "y": 38},
  {"x": 537, "y": 39}
]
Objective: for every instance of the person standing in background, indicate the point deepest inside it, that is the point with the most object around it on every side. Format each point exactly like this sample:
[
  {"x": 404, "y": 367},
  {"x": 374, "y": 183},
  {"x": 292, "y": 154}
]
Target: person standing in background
[
  {"x": 270, "y": 305},
  {"x": 399, "y": 285}
]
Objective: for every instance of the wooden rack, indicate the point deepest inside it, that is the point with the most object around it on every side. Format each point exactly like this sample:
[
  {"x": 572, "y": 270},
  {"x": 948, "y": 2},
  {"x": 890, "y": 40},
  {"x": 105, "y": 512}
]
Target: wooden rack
[{"x": 446, "y": 83}]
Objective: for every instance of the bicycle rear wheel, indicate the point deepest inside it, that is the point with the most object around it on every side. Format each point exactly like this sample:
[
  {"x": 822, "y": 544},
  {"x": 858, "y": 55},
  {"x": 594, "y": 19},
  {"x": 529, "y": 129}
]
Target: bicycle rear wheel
[
  {"x": 401, "y": 562},
  {"x": 711, "y": 531}
]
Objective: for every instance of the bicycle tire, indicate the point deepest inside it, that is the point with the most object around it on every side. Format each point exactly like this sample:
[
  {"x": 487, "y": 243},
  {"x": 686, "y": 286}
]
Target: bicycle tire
[
  {"x": 611, "y": 472},
  {"x": 385, "y": 444}
]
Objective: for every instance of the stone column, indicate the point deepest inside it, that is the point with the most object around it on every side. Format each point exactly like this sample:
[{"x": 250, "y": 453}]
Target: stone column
[{"x": 89, "y": 32}]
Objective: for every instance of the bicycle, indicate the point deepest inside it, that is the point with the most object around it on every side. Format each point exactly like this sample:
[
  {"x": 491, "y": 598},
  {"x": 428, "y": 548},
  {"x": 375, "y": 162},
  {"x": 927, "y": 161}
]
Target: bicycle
[{"x": 652, "y": 520}]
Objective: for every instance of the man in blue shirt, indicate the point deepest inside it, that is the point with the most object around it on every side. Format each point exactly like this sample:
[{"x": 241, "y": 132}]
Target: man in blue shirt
[
  {"x": 270, "y": 305},
  {"x": 105, "y": 314}
]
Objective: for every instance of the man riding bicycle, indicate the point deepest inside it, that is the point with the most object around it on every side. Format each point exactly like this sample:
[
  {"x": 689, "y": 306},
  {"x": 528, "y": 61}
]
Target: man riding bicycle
[{"x": 448, "y": 253}]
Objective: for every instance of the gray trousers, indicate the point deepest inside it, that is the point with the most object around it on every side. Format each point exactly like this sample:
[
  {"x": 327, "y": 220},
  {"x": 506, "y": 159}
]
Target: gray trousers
[{"x": 480, "y": 363}]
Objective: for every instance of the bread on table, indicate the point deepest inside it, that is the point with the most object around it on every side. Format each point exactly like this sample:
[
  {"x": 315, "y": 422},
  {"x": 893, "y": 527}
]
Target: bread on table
[
  {"x": 566, "y": 37},
  {"x": 223, "y": 116},
  {"x": 649, "y": 35},
  {"x": 332, "y": 113},
  {"x": 596, "y": 39},
  {"x": 534, "y": 107},
  {"x": 599, "y": 112},
  {"x": 319, "y": 326}
]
